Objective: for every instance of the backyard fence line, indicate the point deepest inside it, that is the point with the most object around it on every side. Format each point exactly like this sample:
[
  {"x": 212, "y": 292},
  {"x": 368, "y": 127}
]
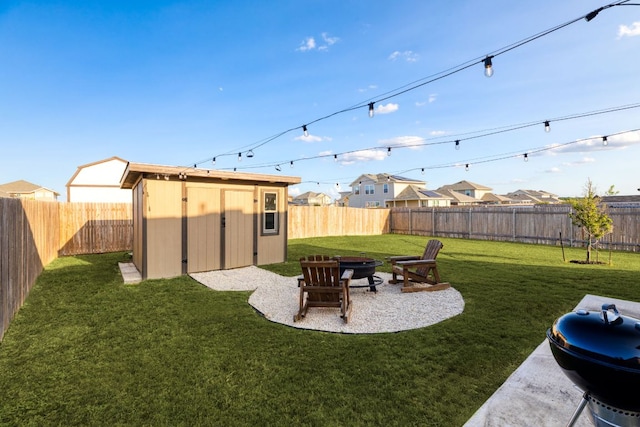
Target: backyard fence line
[
  {"x": 539, "y": 224},
  {"x": 318, "y": 221},
  {"x": 34, "y": 233}
]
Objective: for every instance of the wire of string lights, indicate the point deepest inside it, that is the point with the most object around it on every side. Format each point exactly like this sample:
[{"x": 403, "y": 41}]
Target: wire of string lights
[
  {"x": 451, "y": 139},
  {"x": 525, "y": 154},
  {"x": 369, "y": 103}
]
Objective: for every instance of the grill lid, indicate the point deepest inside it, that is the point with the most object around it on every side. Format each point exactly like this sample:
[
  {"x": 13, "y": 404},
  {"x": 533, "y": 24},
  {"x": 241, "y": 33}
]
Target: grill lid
[{"x": 605, "y": 336}]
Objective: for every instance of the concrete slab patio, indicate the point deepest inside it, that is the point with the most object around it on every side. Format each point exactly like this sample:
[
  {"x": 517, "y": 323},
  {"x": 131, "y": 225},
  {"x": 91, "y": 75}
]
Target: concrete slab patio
[{"x": 538, "y": 393}]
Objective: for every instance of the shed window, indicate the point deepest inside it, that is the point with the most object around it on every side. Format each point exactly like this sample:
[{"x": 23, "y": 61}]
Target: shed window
[{"x": 270, "y": 214}]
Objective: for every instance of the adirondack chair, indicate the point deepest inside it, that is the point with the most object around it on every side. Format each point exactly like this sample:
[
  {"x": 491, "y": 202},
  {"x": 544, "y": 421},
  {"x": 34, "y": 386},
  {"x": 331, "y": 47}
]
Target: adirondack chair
[
  {"x": 416, "y": 269},
  {"x": 323, "y": 286}
]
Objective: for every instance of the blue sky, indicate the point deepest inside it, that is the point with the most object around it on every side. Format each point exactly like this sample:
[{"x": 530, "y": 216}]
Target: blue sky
[{"x": 182, "y": 82}]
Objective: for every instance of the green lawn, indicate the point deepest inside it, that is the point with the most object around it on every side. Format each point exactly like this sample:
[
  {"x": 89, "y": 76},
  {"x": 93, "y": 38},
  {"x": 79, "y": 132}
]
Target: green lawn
[{"x": 88, "y": 350}]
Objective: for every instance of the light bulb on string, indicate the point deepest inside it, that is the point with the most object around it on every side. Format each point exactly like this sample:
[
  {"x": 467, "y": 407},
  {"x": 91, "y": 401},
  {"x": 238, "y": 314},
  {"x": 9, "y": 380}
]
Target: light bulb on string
[
  {"x": 235, "y": 169},
  {"x": 305, "y": 131},
  {"x": 213, "y": 162},
  {"x": 488, "y": 66},
  {"x": 291, "y": 164},
  {"x": 278, "y": 168},
  {"x": 239, "y": 157},
  {"x": 250, "y": 154},
  {"x": 335, "y": 157},
  {"x": 422, "y": 171},
  {"x": 547, "y": 126},
  {"x": 371, "y": 109},
  {"x": 605, "y": 142},
  {"x": 457, "y": 144},
  {"x": 388, "y": 151},
  {"x": 526, "y": 157},
  {"x": 466, "y": 167}
]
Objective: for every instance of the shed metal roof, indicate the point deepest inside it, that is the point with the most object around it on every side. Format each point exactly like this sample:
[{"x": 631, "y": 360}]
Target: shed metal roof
[{"x": 135, "y": 171}]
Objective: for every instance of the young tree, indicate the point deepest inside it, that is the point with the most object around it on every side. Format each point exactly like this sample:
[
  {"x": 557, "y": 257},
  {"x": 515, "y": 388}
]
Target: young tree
[{"x": 591, "y": 215}]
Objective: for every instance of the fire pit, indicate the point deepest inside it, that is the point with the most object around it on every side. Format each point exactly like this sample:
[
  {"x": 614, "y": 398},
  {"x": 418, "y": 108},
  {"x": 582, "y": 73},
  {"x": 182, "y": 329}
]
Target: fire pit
[
  {"x": 362, "y": 267},
  {"x": 600, "y": 353}
]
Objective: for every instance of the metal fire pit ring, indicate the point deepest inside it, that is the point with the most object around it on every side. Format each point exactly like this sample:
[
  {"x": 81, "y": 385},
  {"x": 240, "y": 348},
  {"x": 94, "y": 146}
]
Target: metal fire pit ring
[{"x": 362, "y": 267}]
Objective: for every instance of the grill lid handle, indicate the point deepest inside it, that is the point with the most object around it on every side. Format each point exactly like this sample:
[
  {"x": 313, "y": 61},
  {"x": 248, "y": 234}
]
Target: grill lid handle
[{"x": 609, "y": 314}]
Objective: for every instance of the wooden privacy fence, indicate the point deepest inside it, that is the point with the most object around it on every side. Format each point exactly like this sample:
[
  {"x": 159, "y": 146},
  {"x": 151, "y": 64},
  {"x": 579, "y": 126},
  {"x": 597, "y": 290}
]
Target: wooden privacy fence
[
  {"x": 317, "y": 221},
  {"x": 34, "y": 233},
  {"x": 539, "y": 224}
]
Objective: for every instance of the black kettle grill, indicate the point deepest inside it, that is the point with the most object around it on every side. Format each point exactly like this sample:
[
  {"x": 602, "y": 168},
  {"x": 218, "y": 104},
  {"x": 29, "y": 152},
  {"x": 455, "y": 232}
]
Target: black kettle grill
[{"x": 600, "y": 353}]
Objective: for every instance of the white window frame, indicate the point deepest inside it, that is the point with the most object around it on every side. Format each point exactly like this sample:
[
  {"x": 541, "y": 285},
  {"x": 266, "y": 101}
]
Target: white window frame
[{"x": 270, "y": 217}]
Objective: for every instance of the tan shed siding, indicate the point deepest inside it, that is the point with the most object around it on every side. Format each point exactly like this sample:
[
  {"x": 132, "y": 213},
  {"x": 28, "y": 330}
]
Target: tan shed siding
[
  {"x": 163, "y": 213},
  {"x": 203, "y": 229},
  {"x": 239, "y": 230}
]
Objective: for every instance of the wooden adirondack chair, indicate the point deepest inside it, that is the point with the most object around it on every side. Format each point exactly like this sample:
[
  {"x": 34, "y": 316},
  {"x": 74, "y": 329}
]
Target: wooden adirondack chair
[
  {"x": 323, "y": 286},
  {"x": 419, "y": 269}
]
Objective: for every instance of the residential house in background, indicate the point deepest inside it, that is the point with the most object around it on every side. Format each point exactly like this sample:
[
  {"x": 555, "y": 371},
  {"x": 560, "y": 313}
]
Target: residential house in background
[
  {"x": 343, "y": 200},
  {"x": 99, "y": 182},
  {"x": 25, "y": 190},
  {"x": 467, "y": 188},
  {"x": 312, "y": 199},
  {"x": 458, "y": 199},
  {"x": 379, "y": 190},
  {"x": 414, "y": 196},
  {"x": 534, "y": 197}
]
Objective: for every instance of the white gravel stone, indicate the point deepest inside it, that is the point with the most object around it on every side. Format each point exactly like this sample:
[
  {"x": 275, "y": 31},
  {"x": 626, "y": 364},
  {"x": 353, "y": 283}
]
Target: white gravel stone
[{"x": 387, "y": 310}]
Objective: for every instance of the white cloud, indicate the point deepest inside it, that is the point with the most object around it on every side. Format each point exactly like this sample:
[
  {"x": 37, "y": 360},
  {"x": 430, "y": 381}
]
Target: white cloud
[
  {"x": 553, "y": 169},
  {"x": 407, "y": 55},
  {"x": 294, "y": 191},
  {"x": 595, "y": 143},
  {"x": 329, "y": 40},
  {"x": 437, "y": 133},
  {"x": 432, "y": 97},
  {"x": 308, "y": 44},
  {"x": 370, "y": 87},
  {"x": 582, "y": 161},
  {"x": 312, "y": 138},
  {"x": 362, "y": 156},
  {"x": 413, "y": 142},
  {"x": 626, "y": 31},
  {"x": 387, "y": 109}
]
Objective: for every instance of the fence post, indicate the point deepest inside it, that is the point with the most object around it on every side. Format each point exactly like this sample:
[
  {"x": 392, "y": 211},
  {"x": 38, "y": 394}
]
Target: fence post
[{"x": 514, "y": 224}]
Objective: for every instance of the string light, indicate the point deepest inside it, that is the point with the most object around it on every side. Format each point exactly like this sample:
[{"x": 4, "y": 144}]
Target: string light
[
  {"x": 305, "y": 131},
  {"x": 335, "y": 157},
  {"x": 605, "y": 142},
  {"x": 466, "y": 167},
  {"x": 422, "y": 172},
  {"x": 371, "y": 109},
  {"x": 547, "y": 126},
  {"x": 239, "y": 157},
  {"x": 488, "y": 66},
  {"x": 278, "y": 168},
  {"x": 213, "y": 161},
  {"x": 457, "y": 144},
  {"x": 388, "y": 151},
  {"x": 250, "y": 154},
  {"x": 291, "y": 164},
  {"x": 526, "y": 157}
]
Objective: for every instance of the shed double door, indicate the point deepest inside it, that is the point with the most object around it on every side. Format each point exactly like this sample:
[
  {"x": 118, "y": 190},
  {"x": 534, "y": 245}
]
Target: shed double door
[{"x": 220, "y": 229}]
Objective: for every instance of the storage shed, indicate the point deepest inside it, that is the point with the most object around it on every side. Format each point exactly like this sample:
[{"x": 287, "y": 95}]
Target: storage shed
[{"x": 187, "y": 220}]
